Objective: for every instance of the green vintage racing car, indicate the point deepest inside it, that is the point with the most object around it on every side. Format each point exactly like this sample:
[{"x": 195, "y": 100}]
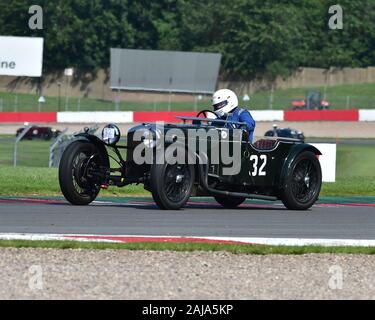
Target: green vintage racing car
[{"x": 269, "y": 169}]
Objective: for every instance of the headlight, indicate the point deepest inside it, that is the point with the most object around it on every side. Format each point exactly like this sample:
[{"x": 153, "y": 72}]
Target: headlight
[
  {"x": 150, "y": 138},
  {"x": 111, "y": 134}
]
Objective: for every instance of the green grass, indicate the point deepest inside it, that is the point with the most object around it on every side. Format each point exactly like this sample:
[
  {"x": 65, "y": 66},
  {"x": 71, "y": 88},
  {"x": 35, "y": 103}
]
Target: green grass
[
  {"x": 356, "y": 161},
  {"x": 189, "y": 247},
  {"x": 352, "y": 186},
  {"x": 33, "y": 153},
  {"x": 355, "y": 174},
  {"x": 355, "y": 171},
  {"x": 29, "y": 102},
  {"x": 361, "y": 96},
  {"x": 44, "y": 181}
]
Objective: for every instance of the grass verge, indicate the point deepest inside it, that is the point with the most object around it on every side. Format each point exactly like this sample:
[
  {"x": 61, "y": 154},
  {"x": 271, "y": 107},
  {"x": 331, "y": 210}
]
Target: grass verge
[
  {"x": 44, "y": 182},
  {"x": 361, "y": 96},
  {"x": 188, "y": 247},
  {"x": 355, "y": 176},
  {"x": 25, "y": 181}
]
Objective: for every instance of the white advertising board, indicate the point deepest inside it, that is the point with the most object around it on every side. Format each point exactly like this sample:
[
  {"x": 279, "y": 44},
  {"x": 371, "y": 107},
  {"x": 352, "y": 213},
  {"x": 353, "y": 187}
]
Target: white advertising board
[
  {"x": 327, "y": 160},
  {"x": 21, "y": 56}
]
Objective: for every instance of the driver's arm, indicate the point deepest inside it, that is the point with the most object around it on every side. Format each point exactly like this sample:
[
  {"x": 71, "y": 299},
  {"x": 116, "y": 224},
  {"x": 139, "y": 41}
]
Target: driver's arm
[{"x": 250, "y": 123}]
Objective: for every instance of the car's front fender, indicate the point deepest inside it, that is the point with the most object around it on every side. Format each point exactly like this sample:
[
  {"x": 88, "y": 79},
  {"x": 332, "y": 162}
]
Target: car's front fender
[{"x": 97, "y": 142}]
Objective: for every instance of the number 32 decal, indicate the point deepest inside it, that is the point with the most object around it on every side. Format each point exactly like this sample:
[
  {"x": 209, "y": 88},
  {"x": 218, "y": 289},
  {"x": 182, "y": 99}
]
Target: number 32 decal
[{"x": 255, "y": 161}]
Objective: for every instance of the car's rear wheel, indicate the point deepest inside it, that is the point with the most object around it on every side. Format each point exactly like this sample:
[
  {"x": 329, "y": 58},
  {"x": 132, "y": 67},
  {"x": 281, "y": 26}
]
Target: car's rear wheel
[
  {"x": 229, "y": 202},
  {"x": 78, "y": 173},
  {"x": 303, "y": 183},
  {"x": 171, "y": 185}
]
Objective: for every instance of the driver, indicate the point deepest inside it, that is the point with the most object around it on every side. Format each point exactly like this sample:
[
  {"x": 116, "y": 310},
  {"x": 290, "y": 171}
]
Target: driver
[{"x": 225, "y": 104}]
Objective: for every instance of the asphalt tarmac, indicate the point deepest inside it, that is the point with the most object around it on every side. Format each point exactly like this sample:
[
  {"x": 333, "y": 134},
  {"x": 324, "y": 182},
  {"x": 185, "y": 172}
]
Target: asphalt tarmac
[{"x": 199, "y": 218}]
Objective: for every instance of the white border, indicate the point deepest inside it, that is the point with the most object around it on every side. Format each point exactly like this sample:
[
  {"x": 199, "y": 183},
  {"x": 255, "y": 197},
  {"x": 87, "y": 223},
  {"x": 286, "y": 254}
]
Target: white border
[{"x": 245, "y": 240}]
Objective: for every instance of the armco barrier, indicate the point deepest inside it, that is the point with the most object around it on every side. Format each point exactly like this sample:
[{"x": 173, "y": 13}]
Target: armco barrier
[
  {"x": 161, "y": 116},
  {"x": 262, "y": 115},
  {"x": 324, "y": 115},
  {"x": 95, "y": 117},
  {"x": 366, "y": 115},
  {"x": 267, "y": 115},
  {"x": 138, "y": 117},
  {"x": 28, "y": 117}
]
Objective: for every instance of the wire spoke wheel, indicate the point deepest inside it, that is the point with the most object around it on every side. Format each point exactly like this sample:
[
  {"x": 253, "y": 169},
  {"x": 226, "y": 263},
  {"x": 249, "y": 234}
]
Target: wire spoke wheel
[
  {"x": 171, "y": 184},
  {"x": 83, "y": 165},
  {"x": 177, "y": 181},
  {"x": 303, "y": 182},
  {"x": 79, "y": 173}
]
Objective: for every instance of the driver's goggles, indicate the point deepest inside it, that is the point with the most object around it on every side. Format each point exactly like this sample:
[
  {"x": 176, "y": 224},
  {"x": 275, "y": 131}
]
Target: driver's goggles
[{"x": 220, "y": 105}]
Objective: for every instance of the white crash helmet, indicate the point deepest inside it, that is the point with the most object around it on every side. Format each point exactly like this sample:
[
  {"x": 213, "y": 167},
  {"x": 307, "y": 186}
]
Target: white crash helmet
[{"x": 224, "y": 101}]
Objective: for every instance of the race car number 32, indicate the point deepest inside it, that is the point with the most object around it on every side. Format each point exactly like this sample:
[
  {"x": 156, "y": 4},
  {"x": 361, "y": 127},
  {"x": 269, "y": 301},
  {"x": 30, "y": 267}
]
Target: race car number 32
[{"x": 258, "y": 165}]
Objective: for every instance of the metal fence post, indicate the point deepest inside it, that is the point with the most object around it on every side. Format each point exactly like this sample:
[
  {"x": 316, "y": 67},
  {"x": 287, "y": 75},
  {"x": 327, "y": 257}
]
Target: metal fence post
[
  {"x": 271, "y": 99},
  {"x": 169, "y": 101},
  {"x": 16, "y": 103},
  {"x": 53, "y": 146},
  {"x": 18, "y": 139}
]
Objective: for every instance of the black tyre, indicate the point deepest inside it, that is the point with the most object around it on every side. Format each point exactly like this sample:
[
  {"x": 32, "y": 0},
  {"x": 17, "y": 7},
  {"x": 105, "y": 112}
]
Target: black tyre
[
  {"x": 171, "y": 185},
  {"x": 303, "y": 183},
  {"x": 47, "y": 136},
  {"x": 230, "y": 202},
  {"x": 78, "y": 184}
]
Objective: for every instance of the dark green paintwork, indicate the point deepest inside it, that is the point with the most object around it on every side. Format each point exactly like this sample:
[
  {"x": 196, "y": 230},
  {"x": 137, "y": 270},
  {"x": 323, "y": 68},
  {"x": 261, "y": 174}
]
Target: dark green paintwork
[{"x": 278, "y": 162}]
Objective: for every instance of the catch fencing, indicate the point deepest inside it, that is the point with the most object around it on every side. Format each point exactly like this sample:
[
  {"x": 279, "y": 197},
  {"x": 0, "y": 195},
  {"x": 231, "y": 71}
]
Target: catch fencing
[{"x": 21, "y": 151}]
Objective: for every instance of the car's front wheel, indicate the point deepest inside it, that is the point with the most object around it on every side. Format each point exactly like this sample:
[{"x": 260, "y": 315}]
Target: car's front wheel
[
  {"x": 171, "y": 185},
  {"x": 78, "y": 173},
  {"x": 303, "y": 182}
]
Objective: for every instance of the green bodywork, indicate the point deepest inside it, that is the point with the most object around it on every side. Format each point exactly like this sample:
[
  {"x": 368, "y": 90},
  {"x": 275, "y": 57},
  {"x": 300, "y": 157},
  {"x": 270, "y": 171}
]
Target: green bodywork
[{"x": 274, "y": 170}]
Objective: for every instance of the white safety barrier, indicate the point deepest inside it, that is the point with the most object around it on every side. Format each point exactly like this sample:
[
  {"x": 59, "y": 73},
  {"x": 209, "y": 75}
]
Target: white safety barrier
[
  {"x": 267, "y": 115},
  {"x": 366, "y": 115},
  {"x": 327, "y": 160},
  {"x": 128, "y": 117},
  {"x": 95, "y": 117}
]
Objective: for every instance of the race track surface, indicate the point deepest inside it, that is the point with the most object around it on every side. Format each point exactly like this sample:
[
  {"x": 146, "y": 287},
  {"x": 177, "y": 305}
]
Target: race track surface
[{"x": 199, "y": 218}]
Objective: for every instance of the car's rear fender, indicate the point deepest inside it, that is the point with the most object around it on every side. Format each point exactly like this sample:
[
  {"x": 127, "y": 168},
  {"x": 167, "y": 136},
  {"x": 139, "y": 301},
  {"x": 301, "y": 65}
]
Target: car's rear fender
[{"x": 295, "y": 151}]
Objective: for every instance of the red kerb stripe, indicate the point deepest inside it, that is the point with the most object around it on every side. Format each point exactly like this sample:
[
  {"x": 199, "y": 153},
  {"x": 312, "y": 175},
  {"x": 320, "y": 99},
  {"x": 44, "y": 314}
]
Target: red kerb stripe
[
  {"x": 324, "y": 115},
  {"x": 28, "y": 117}
]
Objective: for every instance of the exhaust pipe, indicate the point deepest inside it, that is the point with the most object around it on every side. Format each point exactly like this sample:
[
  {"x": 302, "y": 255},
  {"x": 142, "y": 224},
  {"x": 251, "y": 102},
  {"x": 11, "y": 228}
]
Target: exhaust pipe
[{"x": 204, "y": 180}]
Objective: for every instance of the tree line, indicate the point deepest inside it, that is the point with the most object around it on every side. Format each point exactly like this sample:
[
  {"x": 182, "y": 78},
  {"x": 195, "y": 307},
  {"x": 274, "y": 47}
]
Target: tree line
[{"x": 255, "y": 37}]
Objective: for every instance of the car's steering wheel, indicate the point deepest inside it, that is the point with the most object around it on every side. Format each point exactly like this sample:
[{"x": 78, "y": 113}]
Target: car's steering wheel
[{"x": 208, "y": 114}]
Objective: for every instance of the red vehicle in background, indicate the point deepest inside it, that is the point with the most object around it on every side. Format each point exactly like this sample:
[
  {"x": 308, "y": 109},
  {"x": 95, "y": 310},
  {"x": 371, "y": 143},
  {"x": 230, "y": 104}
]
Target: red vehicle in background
[
  {"x": 313, "y": 101},
  {"x": 36, "y": 132}
]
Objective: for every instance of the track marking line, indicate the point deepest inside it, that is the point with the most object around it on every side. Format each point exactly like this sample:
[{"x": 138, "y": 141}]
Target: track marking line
[
  {"x": 190, "y": 204},
  {"x": 187, "y": 239}
]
